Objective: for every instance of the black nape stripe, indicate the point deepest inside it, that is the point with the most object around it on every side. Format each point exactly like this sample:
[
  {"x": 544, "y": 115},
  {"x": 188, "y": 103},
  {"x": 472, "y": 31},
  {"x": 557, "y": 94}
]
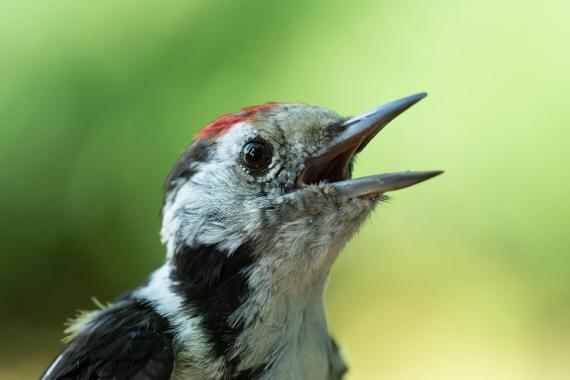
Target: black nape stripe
[
  {"x": 214, "y": 284},
  {"x": 195, "y": 152}
]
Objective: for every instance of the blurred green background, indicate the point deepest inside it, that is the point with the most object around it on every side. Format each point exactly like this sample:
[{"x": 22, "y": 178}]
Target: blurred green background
[{"x": 463, "y": 277}]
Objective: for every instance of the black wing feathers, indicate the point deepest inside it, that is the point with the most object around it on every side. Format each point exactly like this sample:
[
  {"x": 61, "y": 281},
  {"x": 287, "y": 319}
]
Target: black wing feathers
[{"x": 129, "y": 340}]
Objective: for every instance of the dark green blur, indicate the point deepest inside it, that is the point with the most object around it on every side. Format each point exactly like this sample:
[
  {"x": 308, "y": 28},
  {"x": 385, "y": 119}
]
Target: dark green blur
[{"x": 466, "y": 276}]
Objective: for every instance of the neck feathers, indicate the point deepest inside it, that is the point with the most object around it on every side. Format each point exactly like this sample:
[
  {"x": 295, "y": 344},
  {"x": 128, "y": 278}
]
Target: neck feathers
[
  {"x": 213, "y": 284},
  {"x": 229, "y": 317}
]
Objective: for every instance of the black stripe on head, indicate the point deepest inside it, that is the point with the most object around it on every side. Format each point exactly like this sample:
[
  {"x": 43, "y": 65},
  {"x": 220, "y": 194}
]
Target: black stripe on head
[
  {"x": 183, "y": 169},
  {"x": 214, "y": 284}
]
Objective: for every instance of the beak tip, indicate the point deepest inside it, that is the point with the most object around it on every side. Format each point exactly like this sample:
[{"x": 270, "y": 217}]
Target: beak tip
[
  {"x": 434, "y": 173},
  {"x": 413, "y": 99},
  {"x": 389, "y": 111},
  {"x": 417, "y": 177}
]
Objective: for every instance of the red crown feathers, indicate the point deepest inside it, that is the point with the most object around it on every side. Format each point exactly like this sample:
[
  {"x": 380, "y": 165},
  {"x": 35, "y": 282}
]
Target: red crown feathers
[{"x": 218, "y": 127}]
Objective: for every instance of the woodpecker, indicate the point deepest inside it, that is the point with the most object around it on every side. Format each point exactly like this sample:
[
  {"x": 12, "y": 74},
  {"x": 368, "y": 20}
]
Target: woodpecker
[{"x": 255, "y": 212}]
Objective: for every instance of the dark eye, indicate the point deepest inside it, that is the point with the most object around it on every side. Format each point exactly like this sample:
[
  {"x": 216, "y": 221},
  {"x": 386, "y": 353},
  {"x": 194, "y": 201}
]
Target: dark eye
[{"x": 256, "y": 155}]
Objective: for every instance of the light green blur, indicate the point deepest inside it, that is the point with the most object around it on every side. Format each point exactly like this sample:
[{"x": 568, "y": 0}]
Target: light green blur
[{"x": 466, "y": 276}]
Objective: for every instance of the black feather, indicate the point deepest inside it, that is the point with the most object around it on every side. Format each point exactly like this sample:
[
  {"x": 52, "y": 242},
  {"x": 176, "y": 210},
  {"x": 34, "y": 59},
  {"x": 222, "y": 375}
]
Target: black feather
[
  {"x": 214, "y": 284},
  {"x": 129, "y": 340}
]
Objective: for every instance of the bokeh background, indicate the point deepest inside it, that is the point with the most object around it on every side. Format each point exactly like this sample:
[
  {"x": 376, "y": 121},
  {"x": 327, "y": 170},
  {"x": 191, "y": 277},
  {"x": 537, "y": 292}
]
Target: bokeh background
[{"x": 463, "y": 277}]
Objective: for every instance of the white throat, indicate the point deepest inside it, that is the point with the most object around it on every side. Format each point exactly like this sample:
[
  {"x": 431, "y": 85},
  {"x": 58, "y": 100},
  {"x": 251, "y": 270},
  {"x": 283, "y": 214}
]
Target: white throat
[{"x": 287, "y": 332}]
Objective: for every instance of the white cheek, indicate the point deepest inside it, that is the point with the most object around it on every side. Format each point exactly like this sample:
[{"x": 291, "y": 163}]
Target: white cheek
[{"x": 212, "y": 208}]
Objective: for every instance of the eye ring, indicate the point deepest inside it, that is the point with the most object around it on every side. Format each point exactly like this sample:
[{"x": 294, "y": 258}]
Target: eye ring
[{"x": 256, "y": 155}]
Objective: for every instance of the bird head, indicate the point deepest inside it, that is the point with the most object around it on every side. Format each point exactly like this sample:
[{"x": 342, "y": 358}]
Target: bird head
[{"x": 279, "y": 177}]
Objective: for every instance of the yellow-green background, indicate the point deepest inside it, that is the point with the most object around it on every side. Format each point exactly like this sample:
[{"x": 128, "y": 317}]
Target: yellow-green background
[{"x": 463, "y": 277}]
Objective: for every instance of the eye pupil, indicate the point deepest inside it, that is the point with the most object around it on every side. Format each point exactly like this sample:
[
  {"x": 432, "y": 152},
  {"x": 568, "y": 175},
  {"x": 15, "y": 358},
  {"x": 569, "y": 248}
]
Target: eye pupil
[
  {"x": 254, "y": 152},
  {"x": 256, "y": 155}
]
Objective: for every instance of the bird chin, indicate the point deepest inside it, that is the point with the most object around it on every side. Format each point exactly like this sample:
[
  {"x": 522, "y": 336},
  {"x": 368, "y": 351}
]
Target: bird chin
[{"x": 324, "y": 222}]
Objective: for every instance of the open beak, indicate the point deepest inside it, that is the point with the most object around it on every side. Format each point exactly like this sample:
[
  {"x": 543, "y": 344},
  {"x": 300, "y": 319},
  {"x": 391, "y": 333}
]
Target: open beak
[{"x": 333, "y": 165}]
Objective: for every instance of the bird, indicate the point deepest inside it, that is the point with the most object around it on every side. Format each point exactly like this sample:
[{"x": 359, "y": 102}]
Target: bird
[{"x": 255, "y": 212}]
